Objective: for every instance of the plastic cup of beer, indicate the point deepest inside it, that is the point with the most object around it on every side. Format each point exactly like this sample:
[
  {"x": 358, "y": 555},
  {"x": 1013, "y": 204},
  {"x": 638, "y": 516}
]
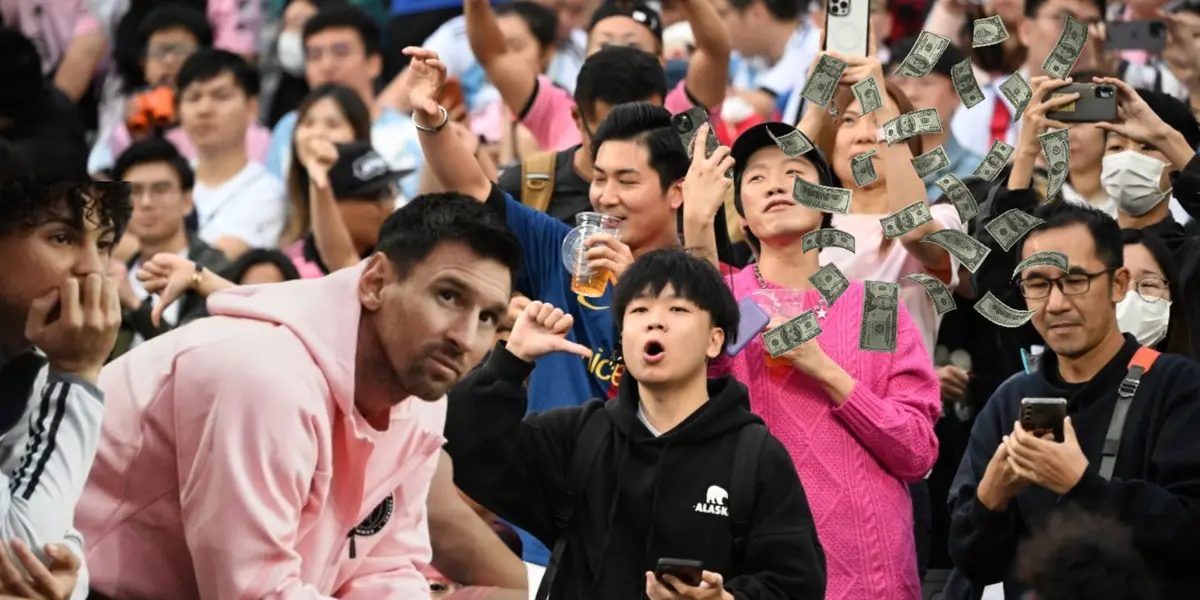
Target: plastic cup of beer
[{"x": 586, "y": 281}]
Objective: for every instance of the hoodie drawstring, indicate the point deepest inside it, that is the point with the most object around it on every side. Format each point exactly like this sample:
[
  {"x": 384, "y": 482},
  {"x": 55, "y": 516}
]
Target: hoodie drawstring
[
  {"x": 662, "y": 457},
  {"x": 612, "y": 513}
]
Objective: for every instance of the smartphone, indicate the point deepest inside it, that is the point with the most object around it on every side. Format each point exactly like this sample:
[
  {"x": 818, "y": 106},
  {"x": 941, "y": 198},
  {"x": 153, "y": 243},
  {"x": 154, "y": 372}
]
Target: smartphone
[
  {"x": 688, "y": 123},
  {"x": 687, "y": 571},
  {"x": 752, "y": 321},
  {"x": 1150, "y": 36},
  {"x": 848, "y": 27},
  {"x": 1097, "y": 102},
  {"x": 1044, "y": 415}
]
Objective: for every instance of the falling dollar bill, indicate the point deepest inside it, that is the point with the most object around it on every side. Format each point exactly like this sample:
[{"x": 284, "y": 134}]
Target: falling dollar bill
[
  {"x": 824, "y": 80},
  {"x": 1045, "y": 258},
  {"x": 906, "y": 219},
  {"x": 1057, "y": 146},
  {"x": 943, "y": 300},
  {"x": 830, "y": 283},
  {"x": 1067, "y": 50},
  {"x": 827, "y": 237},
  {"x": 962, "y": 75},
  {"x": 881, "y": 311},
  {"x": 931, "y": 162},
  {"x": 1011, "y": 226},
  {"x": 1000, "y": 313},
  {"x": 959, "y": 195},
  {"x": 995, "y": 160},
  {"x": 787, "y": 337},
  {"x": 793, "y": 143},
  {"x": 965, "y": 248},
  {"x": 988, "y": 31},
  {"x": 1018, "y": 93},
  {"x": 867, "y": 94},
  {"x": 820, "y": 197},
  {"x": 923, "y": 56},
  {"x": 863, "y": 169},
  {"x": 918, "y": 122}
]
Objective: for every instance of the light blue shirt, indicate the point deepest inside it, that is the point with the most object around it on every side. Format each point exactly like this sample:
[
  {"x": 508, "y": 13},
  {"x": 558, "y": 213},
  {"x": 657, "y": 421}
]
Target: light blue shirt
[
  {"x": 963, "y": 163},
  {"x": 393, "y": 135}
]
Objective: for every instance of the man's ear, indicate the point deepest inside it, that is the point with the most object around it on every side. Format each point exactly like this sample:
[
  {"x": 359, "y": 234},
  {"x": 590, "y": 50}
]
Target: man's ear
[
  {"x": 1121, "y": 281},
  {"x": 675, "y": 195},
  {"x": 374, "y": 278},
  {"x": 716, "y": 339}
]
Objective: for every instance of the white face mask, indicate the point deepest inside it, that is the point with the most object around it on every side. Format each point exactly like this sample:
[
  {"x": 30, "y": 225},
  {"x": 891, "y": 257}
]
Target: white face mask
[
  {"x": 1131, "y": 179},
  {"x": 1147, "y": 321},
  {"x": 291, "y": 53}
]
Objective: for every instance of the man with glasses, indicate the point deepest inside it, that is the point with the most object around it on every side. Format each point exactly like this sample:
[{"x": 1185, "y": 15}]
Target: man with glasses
[
  {"x": 1128, "y": 446},
  {"x": 161, "y": 183}
]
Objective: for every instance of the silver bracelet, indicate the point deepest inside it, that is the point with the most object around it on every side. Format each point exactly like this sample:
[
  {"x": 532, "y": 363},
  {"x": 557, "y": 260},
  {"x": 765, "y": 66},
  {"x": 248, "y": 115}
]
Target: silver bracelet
[{"x": 439, "y": 126}]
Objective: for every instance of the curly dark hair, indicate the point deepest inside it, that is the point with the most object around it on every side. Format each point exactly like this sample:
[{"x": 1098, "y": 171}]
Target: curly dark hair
[
  {"x": 25, "y": 205},
  {"x": 1083, "y": 556}
]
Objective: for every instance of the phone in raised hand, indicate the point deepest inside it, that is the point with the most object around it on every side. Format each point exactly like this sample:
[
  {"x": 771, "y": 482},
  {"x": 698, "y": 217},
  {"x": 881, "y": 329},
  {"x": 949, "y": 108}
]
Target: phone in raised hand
[{"x": 848, "y": 27}]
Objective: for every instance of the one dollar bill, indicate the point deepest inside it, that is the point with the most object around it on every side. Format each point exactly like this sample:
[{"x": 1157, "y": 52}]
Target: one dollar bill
[
  {"x": 1045, "y": 258},
  {"x": 997, "y": 157},
  {"x": 790, "y": 335},
  {"x": 906, "y": 219},
  {"x": 943, "y": 300},
  {"x": 1000, "y": 313},
  {"x": 881, "y": 313},
  {"x": 1008, "y": 228},
  {"x": 827, "y": 237},
  {"x": 830, "y": 283},
  {"x": 924, "y": 55},
  {"x": 965, "y": 248},
  {"x": 820, "y": 197}
]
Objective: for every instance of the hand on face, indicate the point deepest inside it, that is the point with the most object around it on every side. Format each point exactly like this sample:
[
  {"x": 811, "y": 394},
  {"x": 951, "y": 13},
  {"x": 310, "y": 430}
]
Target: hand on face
[
  {"x": 1052, "y": 465},
  {"x": 712, "y": 587},
  {"x": 542, "y": 329},
  {"x": 81, "y": 338},
  {"x": 55, "y": 582},
  {"x": 705, "y": 187},
  {"x": 426, "y": 75}
]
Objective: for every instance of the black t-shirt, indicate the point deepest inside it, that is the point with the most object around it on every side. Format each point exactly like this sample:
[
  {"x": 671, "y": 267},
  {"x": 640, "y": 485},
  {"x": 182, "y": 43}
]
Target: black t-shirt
[{"x": 570, "y": 190}]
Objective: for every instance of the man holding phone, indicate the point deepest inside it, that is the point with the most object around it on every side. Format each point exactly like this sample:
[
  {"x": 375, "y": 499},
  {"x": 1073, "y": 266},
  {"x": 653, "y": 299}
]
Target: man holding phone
[
  {"x": 1128, "y": 443},
  {"x": 59, "y": 315}
]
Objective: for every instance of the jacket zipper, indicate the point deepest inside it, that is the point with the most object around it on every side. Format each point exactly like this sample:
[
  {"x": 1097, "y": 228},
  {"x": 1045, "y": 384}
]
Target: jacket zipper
[{"x": 353, "y": 549}]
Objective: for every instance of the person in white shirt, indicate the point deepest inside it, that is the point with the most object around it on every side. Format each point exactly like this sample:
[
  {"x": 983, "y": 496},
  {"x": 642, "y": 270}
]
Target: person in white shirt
[{"x": 239, "y": 205}]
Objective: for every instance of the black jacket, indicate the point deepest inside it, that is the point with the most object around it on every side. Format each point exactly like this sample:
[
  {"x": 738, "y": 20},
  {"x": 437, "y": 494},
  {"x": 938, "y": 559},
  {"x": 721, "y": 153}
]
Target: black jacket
[
  {"x": 1155, "y": 487},
  {"x": 641, "y": 500}
]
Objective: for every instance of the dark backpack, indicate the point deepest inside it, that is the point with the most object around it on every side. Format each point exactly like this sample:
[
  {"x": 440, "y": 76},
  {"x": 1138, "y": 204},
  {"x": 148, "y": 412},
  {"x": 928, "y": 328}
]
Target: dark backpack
[{"x": 594, "y": 438}]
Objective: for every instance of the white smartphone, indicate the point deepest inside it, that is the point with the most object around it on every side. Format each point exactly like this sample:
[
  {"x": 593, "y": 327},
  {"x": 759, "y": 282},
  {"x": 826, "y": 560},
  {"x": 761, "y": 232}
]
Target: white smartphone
[{"x": 848, "y": 27}]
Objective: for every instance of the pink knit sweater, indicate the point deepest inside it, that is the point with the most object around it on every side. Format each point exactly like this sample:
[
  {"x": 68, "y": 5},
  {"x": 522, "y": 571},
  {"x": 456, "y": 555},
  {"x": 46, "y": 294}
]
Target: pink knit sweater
[{"x": 854, "y": 460}]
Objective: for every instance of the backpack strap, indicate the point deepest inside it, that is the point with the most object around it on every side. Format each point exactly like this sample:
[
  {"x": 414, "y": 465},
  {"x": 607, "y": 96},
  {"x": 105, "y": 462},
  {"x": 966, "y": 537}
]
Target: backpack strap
[
  {"x": 591, "y": 441},
  {"x": 1139, "y": 365},
  {"x": 743, "y": 486},
  {"x": 537, "y": 180}
]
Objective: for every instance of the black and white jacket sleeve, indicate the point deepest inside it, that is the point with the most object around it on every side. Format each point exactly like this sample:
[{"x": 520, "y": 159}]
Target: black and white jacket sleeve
[{"x": 45, "y": 456}]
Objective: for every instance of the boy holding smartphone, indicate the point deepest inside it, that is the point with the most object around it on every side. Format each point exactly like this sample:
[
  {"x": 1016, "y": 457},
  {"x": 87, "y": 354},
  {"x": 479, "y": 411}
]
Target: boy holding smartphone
[{"x": 676, "y": 467}]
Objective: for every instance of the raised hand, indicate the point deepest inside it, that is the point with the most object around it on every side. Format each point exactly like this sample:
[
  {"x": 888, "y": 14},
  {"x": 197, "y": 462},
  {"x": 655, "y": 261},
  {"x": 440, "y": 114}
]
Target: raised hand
[
  {"x": 55, "y": 582},
  {"x": 1136, "y": 120},
  {"x": 169, "y": 276},
  {"x": 318, "y": 157},
  {"x": 605, "y": 251},
  {"x": 426, "y": 75},
  {"x": 705, "y": 187},
  {"x": 540, "y": 330},
  {"x": 80, "y": 338}
]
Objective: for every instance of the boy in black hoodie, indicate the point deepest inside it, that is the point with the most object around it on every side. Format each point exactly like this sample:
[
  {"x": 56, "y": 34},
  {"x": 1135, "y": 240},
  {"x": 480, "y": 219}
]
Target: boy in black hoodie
[
  {"x": 660, "y": 472},
  {"x": 1141, "y": 466}
]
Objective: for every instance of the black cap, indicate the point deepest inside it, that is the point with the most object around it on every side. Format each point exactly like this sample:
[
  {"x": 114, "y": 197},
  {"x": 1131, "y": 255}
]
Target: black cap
[
  {"x": 360, "y": 172},
  {"x": 758, "y": 137},
  {"x": 638, "y": 11},
  {"x": 950, "y": 57}
]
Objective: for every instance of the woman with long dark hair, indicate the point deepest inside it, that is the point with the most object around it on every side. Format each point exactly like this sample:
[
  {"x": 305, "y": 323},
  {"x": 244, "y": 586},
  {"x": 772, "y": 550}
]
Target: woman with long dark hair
[{"x": 1154, "y": 309}]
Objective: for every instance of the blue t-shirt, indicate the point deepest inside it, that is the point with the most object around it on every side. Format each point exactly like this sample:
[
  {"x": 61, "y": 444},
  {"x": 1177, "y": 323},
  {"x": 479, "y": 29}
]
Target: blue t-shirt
[{"x": 559, "y": 379}]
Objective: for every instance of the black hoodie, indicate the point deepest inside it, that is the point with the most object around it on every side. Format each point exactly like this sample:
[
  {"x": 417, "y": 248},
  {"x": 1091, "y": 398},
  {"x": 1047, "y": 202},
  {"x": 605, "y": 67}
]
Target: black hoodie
[
  {"x": 643, "y": 498},
  {"x": 1155, "y": 488}
]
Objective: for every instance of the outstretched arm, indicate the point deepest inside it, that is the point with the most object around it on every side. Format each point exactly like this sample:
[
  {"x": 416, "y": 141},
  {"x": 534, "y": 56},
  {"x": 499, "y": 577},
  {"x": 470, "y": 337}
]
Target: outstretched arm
[
  {"x": 708, "y": 68},
  {"x": 513, "y": 77}
]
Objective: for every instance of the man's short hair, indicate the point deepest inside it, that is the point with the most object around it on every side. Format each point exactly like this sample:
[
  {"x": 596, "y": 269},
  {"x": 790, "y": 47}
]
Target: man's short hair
[
  {"x": 1081, "y": 556},
  {"x": 210, "y": 63},
  {"x": 345, "y": 16},
  {"x": 175, "y": 16},
  {"x": 649, "y": 125},
  {"x": 690, "y": 277},
  {"x": 410, "y": 234},
  {"x": 541, "y": 21},
  {"x": 1106, "y": 234},
  {"x": 1032, "y": 6},
  {"x": 155, "y": 150},
  {"x": 784, "y": 10},
  {"x": 619, "y": 75},
  {"x": 26, "y": 205},
  {"x": 24, "y": 97}
]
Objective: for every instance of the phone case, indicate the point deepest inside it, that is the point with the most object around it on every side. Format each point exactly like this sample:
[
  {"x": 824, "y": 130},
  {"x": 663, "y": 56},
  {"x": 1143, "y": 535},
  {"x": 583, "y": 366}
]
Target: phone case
[
  {"x": 1044, "y": 414},
  {"x": 753, "y": 320},
  {"x": 1096, "y": 103},
  {"x": 688, "y": 123},
  {"x": 1150, "y": 36},
  {"x": 687, "y": 571},
  {"x": 848, "y": 27}
]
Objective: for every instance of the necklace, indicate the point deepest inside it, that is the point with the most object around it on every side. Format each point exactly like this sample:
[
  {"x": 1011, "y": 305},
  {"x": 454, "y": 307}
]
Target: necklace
[{"x": 762, "y": 284}]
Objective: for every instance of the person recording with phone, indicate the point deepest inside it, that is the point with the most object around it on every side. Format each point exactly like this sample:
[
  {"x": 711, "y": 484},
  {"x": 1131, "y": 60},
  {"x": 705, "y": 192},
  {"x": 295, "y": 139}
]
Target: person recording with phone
[{"x": 1127, "y": 417}]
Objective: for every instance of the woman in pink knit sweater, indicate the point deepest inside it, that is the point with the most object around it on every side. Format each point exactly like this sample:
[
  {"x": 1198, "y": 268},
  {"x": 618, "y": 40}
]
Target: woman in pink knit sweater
[{"x": 858, "y": 424}]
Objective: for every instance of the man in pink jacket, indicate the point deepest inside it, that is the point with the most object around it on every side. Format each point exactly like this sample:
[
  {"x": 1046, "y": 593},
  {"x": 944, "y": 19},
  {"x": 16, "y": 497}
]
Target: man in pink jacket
[{"x": 284, "y": 447}]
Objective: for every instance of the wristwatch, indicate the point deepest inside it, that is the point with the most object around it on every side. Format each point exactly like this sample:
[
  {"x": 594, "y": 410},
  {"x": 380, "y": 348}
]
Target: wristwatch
[{"x": 197, "y": 275}]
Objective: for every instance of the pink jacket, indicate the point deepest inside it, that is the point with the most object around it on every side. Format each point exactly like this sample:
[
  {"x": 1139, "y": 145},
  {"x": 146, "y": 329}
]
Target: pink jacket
[
  {"x": 233, "y": 463},
  {"x": 854, "y": 460}
]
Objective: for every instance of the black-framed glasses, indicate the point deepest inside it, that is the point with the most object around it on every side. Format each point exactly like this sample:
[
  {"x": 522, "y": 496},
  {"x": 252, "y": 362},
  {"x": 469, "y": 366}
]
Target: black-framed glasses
[
  {"x": 1072, "y": 284},
  {"x": 1152, "y": 288}
]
